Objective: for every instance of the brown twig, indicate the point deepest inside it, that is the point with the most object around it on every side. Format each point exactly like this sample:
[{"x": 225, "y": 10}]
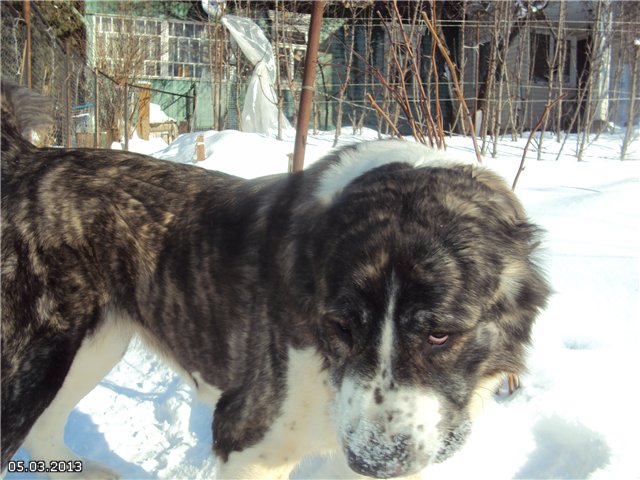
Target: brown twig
[
  {"x": 436, "y": 83},
  {"x": 424, "y": 128},
  {"x": 547, "y": 109},
  {"x": 401, "y": 95},
  {"x": 387, "y": 86},
  {"x": 384, "y": 115},
  {"x": 429, "y": 122},
  {"x": 436, "y": 86},
  {"x": 456, "y": 83}
]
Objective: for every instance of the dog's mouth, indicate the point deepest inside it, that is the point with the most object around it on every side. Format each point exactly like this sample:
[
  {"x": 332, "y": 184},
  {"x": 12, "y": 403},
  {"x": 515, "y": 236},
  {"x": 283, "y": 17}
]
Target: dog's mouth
[
  {"x": 372, "y": 451},
  {"x": 395, "y": 461}
]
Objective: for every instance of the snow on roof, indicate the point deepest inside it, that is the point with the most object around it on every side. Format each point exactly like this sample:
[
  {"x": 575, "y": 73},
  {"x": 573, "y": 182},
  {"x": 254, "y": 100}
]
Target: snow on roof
[{"x": 157, "y": 115}]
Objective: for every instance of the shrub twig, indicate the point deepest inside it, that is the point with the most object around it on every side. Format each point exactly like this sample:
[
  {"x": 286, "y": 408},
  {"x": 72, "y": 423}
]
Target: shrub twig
[
  {"x": 456, "y": 83},
  {"x": 547, "y": 109}
]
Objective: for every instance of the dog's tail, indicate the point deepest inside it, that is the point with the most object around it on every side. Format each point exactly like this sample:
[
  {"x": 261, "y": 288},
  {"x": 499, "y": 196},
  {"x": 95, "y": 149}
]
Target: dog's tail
[{"x": 22, "y": 110}]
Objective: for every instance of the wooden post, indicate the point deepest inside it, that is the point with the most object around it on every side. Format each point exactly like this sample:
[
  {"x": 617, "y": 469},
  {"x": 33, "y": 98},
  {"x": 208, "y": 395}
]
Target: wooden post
[
  {"x": 144, "y": 108},
  {"x": 308, "y": 85},
  {"x": 200, "y": 148},
  {"x": 26, "y": 9}
]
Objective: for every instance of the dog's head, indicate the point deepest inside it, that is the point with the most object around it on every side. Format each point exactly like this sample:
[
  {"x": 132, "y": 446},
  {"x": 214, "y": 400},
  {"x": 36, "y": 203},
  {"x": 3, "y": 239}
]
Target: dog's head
[{"x": 427, "y": 292}]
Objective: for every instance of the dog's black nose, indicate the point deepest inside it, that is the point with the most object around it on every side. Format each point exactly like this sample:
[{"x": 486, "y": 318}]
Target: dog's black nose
[{"x": 383, "y": 461}]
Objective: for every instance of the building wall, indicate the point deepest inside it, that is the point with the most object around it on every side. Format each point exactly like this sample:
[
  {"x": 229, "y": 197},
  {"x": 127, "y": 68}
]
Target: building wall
[{"x": 525, "y": 90}]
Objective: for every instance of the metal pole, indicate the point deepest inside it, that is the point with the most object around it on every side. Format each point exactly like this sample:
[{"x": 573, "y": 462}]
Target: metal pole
[
  {"x": 67, "y": 92},
  {"x": 194, "y": 112},
  {"x": 187, "y": 105},
  {"x": 126, "y": 116},
  {"x": 308, "y": 84},
  {"x": 96, "y": 111},
  {"x": 26, "y": 9}
]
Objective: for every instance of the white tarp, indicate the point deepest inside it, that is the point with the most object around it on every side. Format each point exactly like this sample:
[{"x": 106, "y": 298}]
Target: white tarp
[{"x": 260, "y": 111}]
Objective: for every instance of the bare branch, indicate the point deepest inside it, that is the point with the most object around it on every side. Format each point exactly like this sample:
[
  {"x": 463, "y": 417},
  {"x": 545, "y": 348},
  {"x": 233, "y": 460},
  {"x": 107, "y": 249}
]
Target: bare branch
[
  {"x": 384, "y": 115},
  {"x": 541, "y": 120},
  {"x": 456, "y": 83}
]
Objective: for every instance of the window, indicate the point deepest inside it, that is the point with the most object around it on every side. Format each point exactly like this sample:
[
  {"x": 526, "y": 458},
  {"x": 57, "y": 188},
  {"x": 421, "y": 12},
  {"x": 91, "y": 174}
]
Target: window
[
  {"x": 540, "y": 57},
  {"x": 543, "y": 49},
  {"x": 170, "y": 48}
]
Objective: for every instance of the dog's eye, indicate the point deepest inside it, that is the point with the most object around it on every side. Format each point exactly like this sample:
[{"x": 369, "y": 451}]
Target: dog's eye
[
  {"x": 438, "y": 339},
  {"x": 343, "y": 332}
]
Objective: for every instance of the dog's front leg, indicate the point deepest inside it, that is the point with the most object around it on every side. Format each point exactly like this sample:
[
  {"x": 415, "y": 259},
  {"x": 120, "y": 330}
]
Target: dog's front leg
[
  {"x": 45, "y": 442},
  {"x": 265, "y": 431},
  {"x": 250, "y": 445}
]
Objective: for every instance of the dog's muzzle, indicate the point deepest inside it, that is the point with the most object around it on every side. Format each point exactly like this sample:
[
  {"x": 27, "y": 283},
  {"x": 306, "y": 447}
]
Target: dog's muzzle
[{"x": 377, "y": 455}]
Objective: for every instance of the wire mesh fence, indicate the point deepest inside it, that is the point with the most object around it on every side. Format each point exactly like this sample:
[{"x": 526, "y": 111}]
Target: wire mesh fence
[
  {"x": 370, "y": 73},
  {"x": 90, "y": 109}
]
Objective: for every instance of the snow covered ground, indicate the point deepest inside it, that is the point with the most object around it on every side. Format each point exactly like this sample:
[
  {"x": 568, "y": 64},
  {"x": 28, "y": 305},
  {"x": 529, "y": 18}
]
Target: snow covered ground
[{"x": 575, "y": 415}]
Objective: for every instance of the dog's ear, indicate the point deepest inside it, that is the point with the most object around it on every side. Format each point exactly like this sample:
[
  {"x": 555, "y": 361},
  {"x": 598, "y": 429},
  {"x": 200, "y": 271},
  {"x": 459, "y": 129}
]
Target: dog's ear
[
  {"x": 24, "y": 109},
  {"x": 501, "y": 196},
  {"x": 523, "y": 289}
]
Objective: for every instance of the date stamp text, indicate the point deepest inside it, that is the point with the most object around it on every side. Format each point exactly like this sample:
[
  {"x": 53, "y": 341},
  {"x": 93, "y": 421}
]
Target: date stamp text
[{"x": 40, "y": 466}]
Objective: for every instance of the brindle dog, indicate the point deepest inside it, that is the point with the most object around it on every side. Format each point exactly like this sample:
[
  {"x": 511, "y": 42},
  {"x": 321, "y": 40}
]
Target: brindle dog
[{"x": 362, "y": 306}]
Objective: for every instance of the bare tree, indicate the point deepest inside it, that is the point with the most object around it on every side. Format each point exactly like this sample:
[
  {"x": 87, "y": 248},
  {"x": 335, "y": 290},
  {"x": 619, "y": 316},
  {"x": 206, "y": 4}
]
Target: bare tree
[
  {"x": 597, "y": 81},
  {"x": 635, "y": 70},
  {"x": 631, "y": 45},
  {"x": 121, "y": 58},
  {"x": 556, "y": 69},
  {"x": 367, "y": 77},
  {"x": 349, "y": 32}
]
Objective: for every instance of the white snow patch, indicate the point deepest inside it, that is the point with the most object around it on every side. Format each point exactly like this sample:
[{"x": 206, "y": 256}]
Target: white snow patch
[
  {"x": 157, "y": 115},
  {"x": 138, "y": 145}
]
